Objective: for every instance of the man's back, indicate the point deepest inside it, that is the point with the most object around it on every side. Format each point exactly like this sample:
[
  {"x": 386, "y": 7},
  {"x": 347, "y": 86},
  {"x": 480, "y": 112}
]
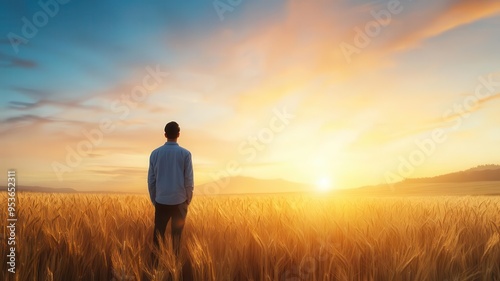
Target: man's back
[
  {"x": 170, "y": 184},
  {"x": 170, "y": 176}
]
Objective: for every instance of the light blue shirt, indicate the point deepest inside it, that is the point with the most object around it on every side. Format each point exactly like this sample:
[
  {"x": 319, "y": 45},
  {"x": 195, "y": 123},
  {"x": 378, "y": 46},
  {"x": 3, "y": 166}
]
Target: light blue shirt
[{"x": 170, "y": 175}]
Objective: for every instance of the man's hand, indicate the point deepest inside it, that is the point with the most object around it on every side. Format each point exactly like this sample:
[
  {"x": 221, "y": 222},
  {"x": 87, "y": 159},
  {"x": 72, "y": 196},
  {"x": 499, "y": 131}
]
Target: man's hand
[{"x": 189, "y": 197}]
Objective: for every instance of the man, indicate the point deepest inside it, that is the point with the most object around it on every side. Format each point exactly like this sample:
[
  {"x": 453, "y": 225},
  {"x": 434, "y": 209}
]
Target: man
[{"x": 170, "y": 184}]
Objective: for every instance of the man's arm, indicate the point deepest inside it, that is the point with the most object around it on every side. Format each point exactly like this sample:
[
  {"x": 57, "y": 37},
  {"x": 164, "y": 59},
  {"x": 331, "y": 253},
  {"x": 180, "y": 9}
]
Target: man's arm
[
  {"x": 152, "y": 180},
  {"x": 188, "y": 177}
]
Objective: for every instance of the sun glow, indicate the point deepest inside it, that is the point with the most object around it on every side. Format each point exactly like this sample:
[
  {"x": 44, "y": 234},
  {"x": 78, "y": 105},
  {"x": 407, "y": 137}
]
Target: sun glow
[{"x": 324, "y": 184}]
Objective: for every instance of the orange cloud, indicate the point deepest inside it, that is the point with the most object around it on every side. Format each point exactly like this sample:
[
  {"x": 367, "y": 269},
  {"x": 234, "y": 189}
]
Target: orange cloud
[{"x": 457, "y": 14}]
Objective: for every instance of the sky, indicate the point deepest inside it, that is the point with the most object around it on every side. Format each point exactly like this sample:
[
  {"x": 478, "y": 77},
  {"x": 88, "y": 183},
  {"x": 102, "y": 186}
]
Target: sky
[{"x": 334, "y": 94}]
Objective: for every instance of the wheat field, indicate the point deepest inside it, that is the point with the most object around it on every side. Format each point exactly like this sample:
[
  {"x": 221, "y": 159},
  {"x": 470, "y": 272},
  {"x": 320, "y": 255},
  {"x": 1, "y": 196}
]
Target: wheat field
[{"x": 275, "y": 237}]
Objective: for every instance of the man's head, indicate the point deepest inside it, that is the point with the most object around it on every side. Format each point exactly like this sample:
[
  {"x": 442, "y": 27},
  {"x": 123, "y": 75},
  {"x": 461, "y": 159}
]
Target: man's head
[{"x": 172, "y": 130}]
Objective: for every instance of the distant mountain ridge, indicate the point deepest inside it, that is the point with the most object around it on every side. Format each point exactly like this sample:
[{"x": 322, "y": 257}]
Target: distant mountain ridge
[
  {"x": 476, "y": 174},
  {"x": 484, "y": 167},
  {"x": 481, "y": 180},
  {"x": 41, "y": 189},
  {"x": 486, "y": 176},
  {"x": 248, "y": 185}
]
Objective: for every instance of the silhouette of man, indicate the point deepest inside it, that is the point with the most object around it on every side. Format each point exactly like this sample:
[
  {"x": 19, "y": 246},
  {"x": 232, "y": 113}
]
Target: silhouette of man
[{"x": 170, "y": 184}]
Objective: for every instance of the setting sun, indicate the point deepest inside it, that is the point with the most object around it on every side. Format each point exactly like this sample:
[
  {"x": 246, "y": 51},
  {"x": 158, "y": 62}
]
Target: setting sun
[{"x": 324, "y": 184}]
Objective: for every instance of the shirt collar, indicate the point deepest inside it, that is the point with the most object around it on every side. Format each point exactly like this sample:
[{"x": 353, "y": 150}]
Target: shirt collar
[{"x": 171, "y": 143}]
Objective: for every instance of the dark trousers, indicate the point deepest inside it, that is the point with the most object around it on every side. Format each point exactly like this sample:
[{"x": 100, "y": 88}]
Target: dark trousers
[{"x": 163, "y": 213}]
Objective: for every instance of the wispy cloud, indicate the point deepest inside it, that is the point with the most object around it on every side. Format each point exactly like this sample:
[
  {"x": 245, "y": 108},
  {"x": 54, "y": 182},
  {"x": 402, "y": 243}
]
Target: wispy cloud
[
  {"x": 30, "y": 92},
  {"x": 434, "y": 23},
  {"x": 9, "y": 61},
  {"x": 28, "y": 118},
  {"x": 72, "y": 104}
]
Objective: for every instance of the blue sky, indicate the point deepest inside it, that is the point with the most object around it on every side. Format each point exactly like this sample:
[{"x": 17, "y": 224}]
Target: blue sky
[{"x": 353, "y": 115}]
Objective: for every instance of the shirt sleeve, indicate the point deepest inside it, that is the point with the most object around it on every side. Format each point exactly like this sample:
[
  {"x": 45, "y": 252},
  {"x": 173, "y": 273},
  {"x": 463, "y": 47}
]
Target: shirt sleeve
[
  {"x": 188, "y": 177},
  {"x": 152, "y": 180}
]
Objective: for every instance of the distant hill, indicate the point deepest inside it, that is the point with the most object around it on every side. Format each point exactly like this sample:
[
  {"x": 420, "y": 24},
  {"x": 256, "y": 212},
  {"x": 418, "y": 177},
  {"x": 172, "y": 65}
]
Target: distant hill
[
  {"x": 232, "y": 185},
  {"x": 246, "y": 185},
  {"x": 41, "y": 189},
  {"x": 480, "y": 180},
  {"x": 480, "y": 173},
  {"x": 428, "y": 189},
  {"x": 485, "y": 167}
]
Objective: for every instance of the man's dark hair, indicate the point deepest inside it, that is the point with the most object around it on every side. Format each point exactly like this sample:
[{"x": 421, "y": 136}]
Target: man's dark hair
[{"x": 172, "y": 130}]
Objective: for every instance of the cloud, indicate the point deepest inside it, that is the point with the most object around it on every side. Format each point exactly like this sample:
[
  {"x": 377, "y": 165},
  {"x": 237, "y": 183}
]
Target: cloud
[
  {"x": 15, "y": 62},
  {"x": 280, "y": 57},
  {"x": 483, "y": 101},
  {"x": 31, "y": 126},
  {"x": 395, "y": 130},
  {"x": 119, "y": 171},
  {"x": 431, "y": 24},
  {"x": 22, "y": 105},
  {"x": 382, "y": 134},
  {"x": 465, "y": 112},
  {"x": 30, "y": 92},
  {"x": 28, "y": 118},
  {"x": 70, "y": 104},
  {"x": 22, "y": 63}
]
